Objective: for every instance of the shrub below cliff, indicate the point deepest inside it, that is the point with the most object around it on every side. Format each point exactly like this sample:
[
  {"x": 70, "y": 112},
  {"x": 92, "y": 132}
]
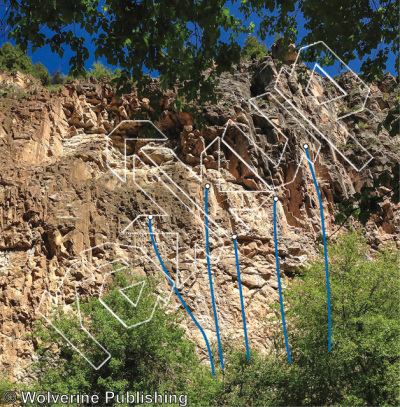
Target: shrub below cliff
[{"x": 361, "y": 369}]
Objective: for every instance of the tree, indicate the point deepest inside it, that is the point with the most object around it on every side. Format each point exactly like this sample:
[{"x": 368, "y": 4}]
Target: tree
[
  {"x": 362, "y": 368},
  {"x": 41, "y": 72},
  {"x": 350, "y": 28},
  {"x": 57, "y": 78},
  {"x": 181, "y": 40},
  {"x": 100, "y": 71},
  {"x": 152, "y": 356},
  {"x": 253, "y": 49},
  {"x": 13, "y": 59}
]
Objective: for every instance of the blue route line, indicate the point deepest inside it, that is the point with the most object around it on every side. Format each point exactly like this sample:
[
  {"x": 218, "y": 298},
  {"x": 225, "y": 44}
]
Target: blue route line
[
  {"x": 279, "y": 284},
  {"x": 241, "y": 298},
  {"x": 325, "y": 249},
  {"x": 210, "y": 278},
  {"x": 180, "y": 297}
]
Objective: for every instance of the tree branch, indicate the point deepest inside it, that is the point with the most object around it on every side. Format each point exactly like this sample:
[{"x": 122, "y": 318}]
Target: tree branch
[{"x": 377, "y": 199}]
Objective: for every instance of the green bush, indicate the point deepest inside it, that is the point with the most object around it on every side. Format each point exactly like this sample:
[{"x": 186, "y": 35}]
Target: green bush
[
  {"x": 12, "y": 59},
  {"x": 253, "y": 48},
  {"x": 5, "y": 385},
  {"x": 100, "y": 71},
  {"x": 57, "y": 78},
  {"x": 42, "y": 73},
  {"x": 362, "y": 369},
  {"x": 152, "y": 356},
  {"x": 363, "y": 366}
]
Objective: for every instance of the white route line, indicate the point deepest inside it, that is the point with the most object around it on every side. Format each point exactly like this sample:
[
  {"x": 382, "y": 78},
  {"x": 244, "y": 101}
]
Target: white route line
[
  {"x": 143, "y": 283},
  {"x": 162, "y": 137},
  {"x": 365, "y": 97},
  {"x": 54, "y": 300},
  {"x": 270, "y": 188},
  {"x": 263, "y": 153},
  {"x": 192, "y": 202},
  {"x": 344, "y": 93}
]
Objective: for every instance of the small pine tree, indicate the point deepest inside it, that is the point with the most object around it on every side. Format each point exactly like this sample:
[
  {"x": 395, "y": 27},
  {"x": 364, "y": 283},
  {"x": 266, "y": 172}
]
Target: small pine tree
[
  {"x": 57, "y": 78},
  {"x": 42, "y": 73},
  {"x": 253, "y": 48}
]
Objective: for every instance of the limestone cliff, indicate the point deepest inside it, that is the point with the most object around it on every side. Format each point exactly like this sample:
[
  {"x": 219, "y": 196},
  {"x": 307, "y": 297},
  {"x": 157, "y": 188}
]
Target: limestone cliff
[{"x": 59, "y": 197}]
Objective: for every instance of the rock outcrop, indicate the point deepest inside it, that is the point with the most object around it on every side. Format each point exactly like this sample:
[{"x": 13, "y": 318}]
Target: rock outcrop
[{"x": 58, "y": 196}]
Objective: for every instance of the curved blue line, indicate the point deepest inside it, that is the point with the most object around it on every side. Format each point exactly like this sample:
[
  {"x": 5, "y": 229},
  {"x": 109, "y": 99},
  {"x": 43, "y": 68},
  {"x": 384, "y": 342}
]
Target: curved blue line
[
  {"x": 210, "y": 279},
  {"x": 325, "y": 250},
  {"x": 279, "y": 286},
  {"x": 181, "y": 299},
  {"x": 241, "y": 300}
]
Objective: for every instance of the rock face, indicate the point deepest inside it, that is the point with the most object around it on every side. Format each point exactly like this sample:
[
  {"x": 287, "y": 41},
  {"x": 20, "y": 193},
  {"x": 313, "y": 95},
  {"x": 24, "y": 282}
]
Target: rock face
[{"x": 59, "y": 197}]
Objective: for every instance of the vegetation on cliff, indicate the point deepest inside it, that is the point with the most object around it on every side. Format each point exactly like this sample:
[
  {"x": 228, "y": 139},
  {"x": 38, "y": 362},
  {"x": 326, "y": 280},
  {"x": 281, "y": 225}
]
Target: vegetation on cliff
[
  {"x": 13, "y": 59},
  {"x": 253, "y": 48},
  {"x": 361, "y": 369}
]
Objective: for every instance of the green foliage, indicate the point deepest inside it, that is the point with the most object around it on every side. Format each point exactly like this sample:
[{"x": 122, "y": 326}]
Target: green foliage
[
  {"x": 21, "y": 96},
  {"x": 13, "y": 59},
  {"x": 5, "y": 385},
  {"x": 362, "y": 368},
  {"x": 100, "y": 71},
  {"x": 362, "y": 124},
  {"x": 253, "y": 48},
  {"x": 152, "y": 356},
  {"x": 41, "y": 72},
  {"x": 350, "y": 26},
  {"x": 181, "y": 41},
  {"x": 367, "y": 202},
  {"x": 392, "y": 121},
  {"x": 57, "y": 78}
]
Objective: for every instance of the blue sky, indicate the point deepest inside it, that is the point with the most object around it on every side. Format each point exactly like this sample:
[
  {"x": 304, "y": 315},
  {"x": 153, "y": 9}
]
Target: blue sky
[{"x": 54, "y": 63}]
